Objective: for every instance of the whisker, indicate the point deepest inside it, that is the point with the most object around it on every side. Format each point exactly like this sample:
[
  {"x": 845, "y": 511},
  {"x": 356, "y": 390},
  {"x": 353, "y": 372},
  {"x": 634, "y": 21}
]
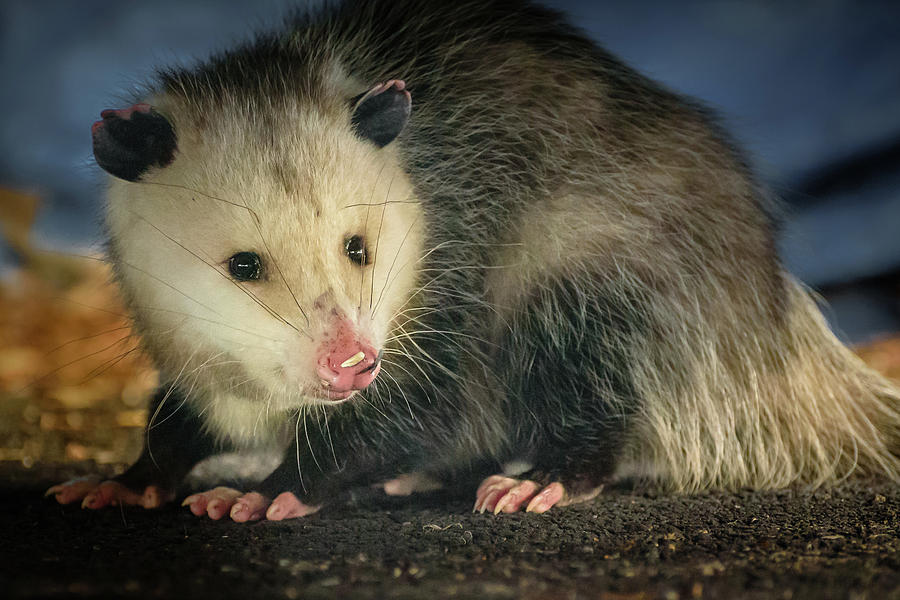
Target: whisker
[
  {"x": 247, "y": 292},
  {"x": 330, "y": 441},
  {"x": 283, "y": 279},
  {"x": 424, "y": 330},
  {"x": 150, "y": 422},
  {"x": 387, "y": 280},
  {"x": 194, "y": 191},
  {"x": 362, "y": 273},
  {"x": 374, "y": 407},
  {"x": 405, "y": 398},
  {"x": 297, "y": 447},
  {"x": 97, "y": 308},
  {"x": 169, "y": 285},
  {"x": 72, "y": 362},
  {"x": 190, "y": 316},
  {"x": 433, "y": 361},
  {"x": 260, "y": 414},
  {"x": 256, "y": 222},
  {"x": 106, "y": 365},
  {"x": 308, "y": 442},
  {"x": 386, "y": 202},
  {"x": 377, "y": 243},
  {"x": 85, "y": 338},
  {"x": 412, "y": 377}
]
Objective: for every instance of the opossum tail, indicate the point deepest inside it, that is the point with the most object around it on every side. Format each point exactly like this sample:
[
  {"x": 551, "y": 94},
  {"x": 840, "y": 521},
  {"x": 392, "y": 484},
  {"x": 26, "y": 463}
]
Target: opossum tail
[{"x": 764, "y": 405}]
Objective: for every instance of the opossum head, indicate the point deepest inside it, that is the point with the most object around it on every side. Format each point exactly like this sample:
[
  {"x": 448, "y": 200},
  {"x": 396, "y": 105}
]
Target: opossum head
[{"x": 265, "y": 247}]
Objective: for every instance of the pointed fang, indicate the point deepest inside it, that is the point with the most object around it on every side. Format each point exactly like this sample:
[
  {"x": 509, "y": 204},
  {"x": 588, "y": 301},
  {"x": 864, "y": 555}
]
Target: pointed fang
[{"x": 354, "y": 360}]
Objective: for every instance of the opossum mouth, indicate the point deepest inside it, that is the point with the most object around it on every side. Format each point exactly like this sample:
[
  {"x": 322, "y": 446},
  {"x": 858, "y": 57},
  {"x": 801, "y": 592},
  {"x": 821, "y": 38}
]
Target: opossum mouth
[
  {"x": 375, "y": 364},
  {"x": 361, "y": 381}
]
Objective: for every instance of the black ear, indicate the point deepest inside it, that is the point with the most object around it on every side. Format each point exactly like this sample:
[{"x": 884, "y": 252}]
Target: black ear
[
  {"x": 380, "y": 114},
  {"x": 129, "y": 141}
]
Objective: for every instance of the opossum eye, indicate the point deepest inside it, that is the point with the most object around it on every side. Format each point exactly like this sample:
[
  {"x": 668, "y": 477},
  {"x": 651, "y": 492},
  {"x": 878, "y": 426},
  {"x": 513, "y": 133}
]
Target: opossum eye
[
  {"x": 356, "y": 250},
  {"x": 245, "y": 266}
]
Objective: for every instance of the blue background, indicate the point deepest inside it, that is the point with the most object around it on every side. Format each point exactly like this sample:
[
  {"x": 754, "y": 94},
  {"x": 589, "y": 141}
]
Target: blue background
[{"x": 811, "y": 89}]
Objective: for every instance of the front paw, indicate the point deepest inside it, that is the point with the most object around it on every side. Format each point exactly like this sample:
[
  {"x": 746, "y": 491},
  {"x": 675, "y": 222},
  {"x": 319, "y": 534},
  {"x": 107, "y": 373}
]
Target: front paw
[
  {"x": 94, "y": 493},
  {"x": 241, "y": 507}
]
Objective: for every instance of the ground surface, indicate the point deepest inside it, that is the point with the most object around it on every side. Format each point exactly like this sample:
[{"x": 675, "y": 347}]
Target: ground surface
[
  {"x": 73, "y": 389},
  {"x": 842, "y": 543}
]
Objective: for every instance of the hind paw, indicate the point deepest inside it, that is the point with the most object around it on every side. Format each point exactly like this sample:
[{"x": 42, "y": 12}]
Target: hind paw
[
  {"x": 95, "y": 493},
  {"x": 499, "y": 493}
]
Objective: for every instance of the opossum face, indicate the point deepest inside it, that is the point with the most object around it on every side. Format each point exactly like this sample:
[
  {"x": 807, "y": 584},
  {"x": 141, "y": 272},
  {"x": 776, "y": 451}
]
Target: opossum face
[{"x": 265, "y": 250}]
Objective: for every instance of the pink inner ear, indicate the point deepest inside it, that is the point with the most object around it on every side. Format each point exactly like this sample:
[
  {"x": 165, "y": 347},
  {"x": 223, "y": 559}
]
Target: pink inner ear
[
  {"x": 383, "y": 87},
  {"x": 125, "y": 113}
]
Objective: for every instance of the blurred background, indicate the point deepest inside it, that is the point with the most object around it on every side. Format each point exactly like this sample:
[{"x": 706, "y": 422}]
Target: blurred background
[{"x": 809, "y": 88}]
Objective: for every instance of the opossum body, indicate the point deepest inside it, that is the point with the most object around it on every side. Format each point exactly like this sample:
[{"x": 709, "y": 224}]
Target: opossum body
[{"x": 428, "y": 238}]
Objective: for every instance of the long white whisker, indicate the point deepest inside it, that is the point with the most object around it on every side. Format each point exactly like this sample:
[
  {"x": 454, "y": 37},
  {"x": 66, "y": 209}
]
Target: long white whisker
[{"x": 377, "y": 243}]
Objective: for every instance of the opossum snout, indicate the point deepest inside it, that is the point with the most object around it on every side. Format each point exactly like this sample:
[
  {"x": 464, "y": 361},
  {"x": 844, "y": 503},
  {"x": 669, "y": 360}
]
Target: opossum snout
[{"x": 347, "y": 363}]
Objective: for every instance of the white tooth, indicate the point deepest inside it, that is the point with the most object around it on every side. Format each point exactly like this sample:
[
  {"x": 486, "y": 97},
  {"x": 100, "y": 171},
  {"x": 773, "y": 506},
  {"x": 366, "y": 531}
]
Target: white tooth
[{"x": 354, "y": 360}]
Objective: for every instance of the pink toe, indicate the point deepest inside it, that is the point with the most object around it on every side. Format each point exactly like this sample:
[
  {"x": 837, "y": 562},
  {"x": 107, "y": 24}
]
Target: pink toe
[
  {"x": 240, "y": 512},
  {"x": 514, "y": 498},
  {"x": 491, "y": 497},
  {"x": 68, "y": 495},
  {"x": 287, "y": 506},
  {"x": 71, "y": 491},
  {"x": 490, "y": 490},
  {"x": 197, "y": 503},
  {"x": 154, "y": 497},
  {"x": 102, "y": 495},
  {"x": 216, "y": 509},
  {"x": 489, "y": 481},
  {"x": 547, "y": 498},
  {"x": 198, "y": 509},
  {"x": 249, "y": 507}
]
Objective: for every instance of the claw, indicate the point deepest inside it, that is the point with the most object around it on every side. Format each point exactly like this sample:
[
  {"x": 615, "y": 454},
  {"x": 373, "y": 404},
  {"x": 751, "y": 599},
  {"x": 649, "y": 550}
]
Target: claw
[
  {"x": 487, "y": 496},
  {"x": 514, "y": 497},
  {"x": 500, "y": 494},
  {"x": 546, "y": 498},
  {"x": 73, "y": 490}
]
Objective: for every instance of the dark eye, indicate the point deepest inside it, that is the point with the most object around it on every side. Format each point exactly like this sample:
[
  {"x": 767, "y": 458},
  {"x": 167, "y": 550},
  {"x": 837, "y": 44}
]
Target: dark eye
[
  {"x": 245, "y": 266},
  {"x": 356, "y": 250}
]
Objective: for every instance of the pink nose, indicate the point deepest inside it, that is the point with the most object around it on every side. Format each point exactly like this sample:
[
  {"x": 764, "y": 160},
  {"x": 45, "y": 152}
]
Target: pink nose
[{"x": 347, "y": 364}]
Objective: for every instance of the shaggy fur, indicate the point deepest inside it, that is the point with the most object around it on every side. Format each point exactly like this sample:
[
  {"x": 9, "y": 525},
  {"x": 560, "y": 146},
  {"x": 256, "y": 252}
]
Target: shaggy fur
[{"x": 574, "y": 267}]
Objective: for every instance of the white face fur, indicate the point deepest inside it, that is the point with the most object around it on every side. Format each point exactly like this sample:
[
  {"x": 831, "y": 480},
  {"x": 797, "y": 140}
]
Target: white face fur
[{"x": 294, "y": 199}]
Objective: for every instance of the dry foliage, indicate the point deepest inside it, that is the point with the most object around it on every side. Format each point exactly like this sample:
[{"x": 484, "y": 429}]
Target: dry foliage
[{"x": 73, "y": 385}]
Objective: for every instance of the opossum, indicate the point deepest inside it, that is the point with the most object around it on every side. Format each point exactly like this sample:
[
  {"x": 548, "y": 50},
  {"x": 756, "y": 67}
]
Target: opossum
[{"x": 411, "y": 242}]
